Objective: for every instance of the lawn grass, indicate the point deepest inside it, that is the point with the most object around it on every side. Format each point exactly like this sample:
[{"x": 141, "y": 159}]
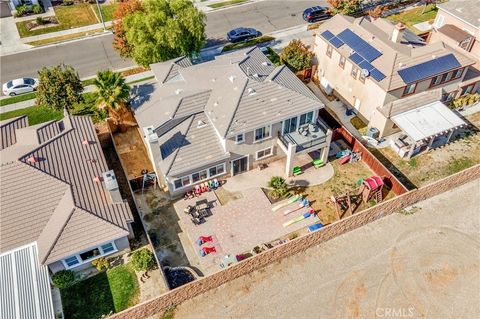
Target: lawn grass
[
  {"x": 18, "y": 98},
  {"x": 69, "y": 17},
  {"x": 273, "y": 56},
  {"x": 359, "y": 124},
  {"x": 65, "y": 37},
  {"x": 239, "y": 45},
  {"x": 108, "y": 11},
  {"x": 110, "y": 291},
  {"x": 36, "y": 114},
  {"x": 225, "y": 3},
  {"x": 414, "y": 16}
]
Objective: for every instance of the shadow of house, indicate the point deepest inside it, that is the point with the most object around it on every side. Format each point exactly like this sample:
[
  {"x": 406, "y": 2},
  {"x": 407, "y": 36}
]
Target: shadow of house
[{"x": 140, "y": 95}]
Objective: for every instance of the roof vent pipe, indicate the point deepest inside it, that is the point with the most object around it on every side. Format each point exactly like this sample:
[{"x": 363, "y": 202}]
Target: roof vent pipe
[
  {"x": 33, "y": 159},
  {"x": 397, "y": 33}
]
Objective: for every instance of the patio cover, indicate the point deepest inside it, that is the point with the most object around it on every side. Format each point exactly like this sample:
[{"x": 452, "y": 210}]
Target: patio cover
[
  {"x": 24, "y": 286},
  {"x": 426, "y": 121}
]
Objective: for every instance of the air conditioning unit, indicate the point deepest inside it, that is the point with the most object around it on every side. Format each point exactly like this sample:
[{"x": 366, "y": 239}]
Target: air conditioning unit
[{"x": 373, "y": 132}]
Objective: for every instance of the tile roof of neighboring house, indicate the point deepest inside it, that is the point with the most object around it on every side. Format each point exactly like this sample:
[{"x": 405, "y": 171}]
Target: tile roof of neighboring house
[
  {"x": 236, "y": 92},
  {"x": 8, "y": 128},
  {"x": 395, "y": 56},
  {"x": 52, "y": 178},
  {"x": 454, "y": 32},
  {"x": 467, "y": 10}
]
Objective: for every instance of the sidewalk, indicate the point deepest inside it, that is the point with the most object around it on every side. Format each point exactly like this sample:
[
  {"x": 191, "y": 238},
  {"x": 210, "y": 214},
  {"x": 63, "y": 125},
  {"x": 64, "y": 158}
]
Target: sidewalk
[
  {"x": 67, "y": 32},
  {"x": 89, "y": 88}
]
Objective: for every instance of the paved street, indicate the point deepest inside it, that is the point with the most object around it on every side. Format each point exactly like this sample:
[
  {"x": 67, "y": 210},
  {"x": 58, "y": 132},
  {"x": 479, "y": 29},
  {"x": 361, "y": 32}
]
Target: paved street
[{"x": 90, "y": 55}]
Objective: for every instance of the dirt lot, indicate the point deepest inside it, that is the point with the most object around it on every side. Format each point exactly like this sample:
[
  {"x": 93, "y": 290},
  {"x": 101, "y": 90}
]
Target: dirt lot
[
  {"x": 345, "y": 179},
  {"x": 424, "y": 264},
  {"x": 427, "y": 167}
]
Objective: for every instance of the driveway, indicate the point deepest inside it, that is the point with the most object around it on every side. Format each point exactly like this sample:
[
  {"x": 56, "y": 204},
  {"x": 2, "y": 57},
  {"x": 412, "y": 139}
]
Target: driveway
[{"x": 423, "y": 265}]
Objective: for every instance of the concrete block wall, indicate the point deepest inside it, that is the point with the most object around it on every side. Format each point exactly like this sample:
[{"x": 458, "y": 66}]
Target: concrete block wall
[{"x": 183, "y": 293}]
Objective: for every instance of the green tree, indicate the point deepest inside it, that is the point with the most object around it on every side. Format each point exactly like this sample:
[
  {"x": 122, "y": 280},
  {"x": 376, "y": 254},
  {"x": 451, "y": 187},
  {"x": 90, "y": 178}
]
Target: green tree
[
  {"x": 296, "y": 56},
  {"x": 143, "y": 260},
  {"x": 346, "y": 7},
  {"x": 112, "y": 93},
  {"x": 60, "y": 87},
  {"x": 165, "y": 29},
  {"x": 64, "y": 279}
]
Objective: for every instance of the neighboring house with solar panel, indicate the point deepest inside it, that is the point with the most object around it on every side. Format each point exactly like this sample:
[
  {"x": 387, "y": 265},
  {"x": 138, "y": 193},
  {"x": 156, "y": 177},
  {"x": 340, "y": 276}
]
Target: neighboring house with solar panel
[
  {"x": 382, "y": 70},
  {"x": 60, "y": 208},
  {"x": 226, "y": 116},
  {"x": 458, "y": 24}
]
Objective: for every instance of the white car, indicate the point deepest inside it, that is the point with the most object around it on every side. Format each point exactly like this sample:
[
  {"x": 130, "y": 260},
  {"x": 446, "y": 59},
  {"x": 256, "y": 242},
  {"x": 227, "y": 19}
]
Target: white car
[{"x": 20, "y": 86}]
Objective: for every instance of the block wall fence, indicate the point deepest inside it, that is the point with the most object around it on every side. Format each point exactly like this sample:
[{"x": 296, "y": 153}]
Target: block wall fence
[{"x": 197, "y": 287}]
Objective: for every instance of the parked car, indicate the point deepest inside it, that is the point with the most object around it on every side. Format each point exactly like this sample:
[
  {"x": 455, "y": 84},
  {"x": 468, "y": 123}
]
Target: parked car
[
  {"x": 242, "y": 34},
  {"x": 19, "y": 86},
  {"x": 315, "y": 14}
]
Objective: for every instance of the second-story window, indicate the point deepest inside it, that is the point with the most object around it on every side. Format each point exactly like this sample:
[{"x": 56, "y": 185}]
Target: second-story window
[
  {"x": 458, "y": 73},
  {"x": 240, "y": 138},
  {"x": 329, "y": 51},
  {"x": 436, "y": 80},
  {"x": 262, "y": 133},
  {"x": 354, "y": 72},
  {"x": 409, "y": 89},
  {"x": 341, "y": 63},
  {"x": 448, "y": 77}
]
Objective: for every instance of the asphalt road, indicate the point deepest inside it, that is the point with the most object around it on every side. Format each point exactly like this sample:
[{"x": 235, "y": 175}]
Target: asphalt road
[{"x": 91, "y": 55}]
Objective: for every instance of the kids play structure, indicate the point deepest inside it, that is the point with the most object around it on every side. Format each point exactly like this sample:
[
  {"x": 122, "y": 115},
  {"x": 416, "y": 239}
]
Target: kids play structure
[{"x": 370, "y": 188}]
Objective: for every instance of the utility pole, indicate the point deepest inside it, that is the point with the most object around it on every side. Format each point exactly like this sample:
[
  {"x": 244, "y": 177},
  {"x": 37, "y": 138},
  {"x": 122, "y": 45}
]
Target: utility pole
[{"x": 101, "y": 16}]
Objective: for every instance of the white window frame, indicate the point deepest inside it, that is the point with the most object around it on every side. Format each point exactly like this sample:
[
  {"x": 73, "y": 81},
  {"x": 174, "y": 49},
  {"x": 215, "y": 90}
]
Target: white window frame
[
  {"x": 82, "y": 262},
  {"x": 243, "y": 138},
  {"x": 409, "y": 89},
  {"x": 180, "y": 178},
  {"x": 218, "y": 174},
  {"x": 265, "y": 156},
  {"x": 456, "y": 75},
  {"x": 449, "y": 76},
  {"x": 265, "y": 137},
  {"x": 190, "y": 177}
]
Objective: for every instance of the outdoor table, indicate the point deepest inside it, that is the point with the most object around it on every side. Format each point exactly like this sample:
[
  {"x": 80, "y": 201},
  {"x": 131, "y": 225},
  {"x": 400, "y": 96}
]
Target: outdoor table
[{"x": 201, "y": 204}]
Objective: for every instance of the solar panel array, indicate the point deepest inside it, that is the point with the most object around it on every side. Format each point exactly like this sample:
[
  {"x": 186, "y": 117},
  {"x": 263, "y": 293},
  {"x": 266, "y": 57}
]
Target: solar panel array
[
  {"x": 427, "y": 69},
  {"x": 364, "y": 52}
]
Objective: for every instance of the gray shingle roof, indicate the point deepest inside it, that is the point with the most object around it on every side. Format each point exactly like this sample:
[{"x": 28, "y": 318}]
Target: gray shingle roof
[
  {"x": 8, "y": 129},
  {"x": 54, "y": 188}
]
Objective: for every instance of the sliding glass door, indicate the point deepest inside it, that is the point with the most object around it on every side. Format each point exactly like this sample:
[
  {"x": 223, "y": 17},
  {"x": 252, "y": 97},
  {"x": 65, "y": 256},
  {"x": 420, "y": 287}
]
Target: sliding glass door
[{"x": 290, "y": 125}]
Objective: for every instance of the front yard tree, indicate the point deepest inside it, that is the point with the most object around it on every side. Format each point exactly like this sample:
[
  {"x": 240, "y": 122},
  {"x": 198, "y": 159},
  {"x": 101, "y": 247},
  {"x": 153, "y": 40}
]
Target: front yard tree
[
  {"x": 346, "y": 7},
  {"x": 165, "y": 29},
  {"x": 60, "y": 87},
  {"x": 296, "y": 56},
  {"x": 120, "y": 42},
  {"x": 112, "y": 93}
]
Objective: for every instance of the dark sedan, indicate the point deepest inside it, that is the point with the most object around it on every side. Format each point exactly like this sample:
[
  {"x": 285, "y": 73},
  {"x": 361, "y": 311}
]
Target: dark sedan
[{"x": 242, "y": 34}]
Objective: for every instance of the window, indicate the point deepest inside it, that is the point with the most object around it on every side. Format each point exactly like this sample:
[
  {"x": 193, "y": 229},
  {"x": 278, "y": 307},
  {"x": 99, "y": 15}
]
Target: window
[
  {"x": 90, "y": 254},
  {"x": 341, "y": 63},
  {"x": 217, "y": 170},
  {"x": 436, "y": 80},
  {"x": 362, "y": 77},
  {"x": 182, "y": 182},
  {"x": 306, "y": 118},
  {"x": 240, "y": 138},
  {"x": 264, "y": 153},
  {"x": 262, "y": 133},
  {"x": 409, "y": 89},
  {"x": 448, "y": 77},
  {"x": 449, "y": 96},
  {"x": 458, "y": 73},
  {"x": 71, "y": 261},
  {"x": 354, "y": 72},
  {"x": 329, "y": 51},
  {"x": 465, "y": 44},
  {"x": 108, "y": 248},
  {"x": 290, "y": 125},
  {"x": 468, "y": 89},
  {"x": 200, "y": 176}
]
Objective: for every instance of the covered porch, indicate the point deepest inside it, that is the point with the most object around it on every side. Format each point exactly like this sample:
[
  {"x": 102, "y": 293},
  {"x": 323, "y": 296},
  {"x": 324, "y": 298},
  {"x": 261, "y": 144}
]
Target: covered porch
[
  {"x": 306, "y": 139},
  {"x": 424, "y": 128}
]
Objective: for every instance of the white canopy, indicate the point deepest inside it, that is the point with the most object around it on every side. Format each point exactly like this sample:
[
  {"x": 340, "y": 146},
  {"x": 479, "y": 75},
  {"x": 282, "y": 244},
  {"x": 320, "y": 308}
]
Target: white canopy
[{"x": 426, "y": 121}]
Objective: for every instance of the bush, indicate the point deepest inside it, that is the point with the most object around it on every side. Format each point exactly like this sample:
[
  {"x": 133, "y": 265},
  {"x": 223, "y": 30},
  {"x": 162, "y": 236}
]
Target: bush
[
  {"x": 37, "y": 9},
  {"x": 63, "y": 279},
  {"x": 101, "y": 263},
  {"x": 88, "y": 107},
  {"x": 296, "y": 56},
  {"x": 143, "y": 260},
  {"x": 40, "y": 21},
  {"x": 279, "y": 187},
  {"x": 465, "y": 100},
  {"x": 67, "y": 2},
  {"x": 21, "y": 10}
]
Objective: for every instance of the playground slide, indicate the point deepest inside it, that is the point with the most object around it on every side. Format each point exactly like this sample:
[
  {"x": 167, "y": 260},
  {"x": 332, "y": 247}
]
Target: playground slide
[
  {"x": 303, "y": 203},
  {"x": 345, "y": 159},
  {"x": 291, "y": 200},
  {"x": 298, "y": 218}
]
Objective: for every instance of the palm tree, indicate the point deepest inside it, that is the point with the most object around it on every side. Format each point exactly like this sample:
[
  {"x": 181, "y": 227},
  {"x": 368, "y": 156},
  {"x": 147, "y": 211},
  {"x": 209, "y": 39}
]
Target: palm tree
[{"x": 112, "y": 93}]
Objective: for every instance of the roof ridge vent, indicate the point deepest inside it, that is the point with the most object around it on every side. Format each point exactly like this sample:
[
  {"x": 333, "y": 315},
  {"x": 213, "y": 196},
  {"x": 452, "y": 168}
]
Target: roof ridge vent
[
  {"x": 251, "y": 91},
  {"x": 255, "y": 75},
  {"x": 265, "y": 63},
  {"x": 33, "y": 159},
  {"x": 232, "y": 78},
  {"x": 201, "y": 123},
  {"x": 178, "y": 91}
]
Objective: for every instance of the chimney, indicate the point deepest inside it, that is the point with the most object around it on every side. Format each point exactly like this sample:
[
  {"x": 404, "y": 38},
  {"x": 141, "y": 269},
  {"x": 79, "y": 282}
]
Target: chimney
[{"x": 397, "y": 34}]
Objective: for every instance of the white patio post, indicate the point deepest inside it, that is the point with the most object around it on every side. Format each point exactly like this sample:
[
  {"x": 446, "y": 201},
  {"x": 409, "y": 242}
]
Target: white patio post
[
  {"x": 450, "y": 136},
  {"x": 326, "y": 149},
  {"x": 410, "y": 152},
  {"x": 430, "y": 143},
  {"x": 290, "y": 156}
]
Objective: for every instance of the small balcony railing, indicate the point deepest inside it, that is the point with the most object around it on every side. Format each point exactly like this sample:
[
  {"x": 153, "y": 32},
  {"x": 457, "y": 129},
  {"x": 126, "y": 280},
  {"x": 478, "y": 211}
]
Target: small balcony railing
[{"x": 303, "y": 142}]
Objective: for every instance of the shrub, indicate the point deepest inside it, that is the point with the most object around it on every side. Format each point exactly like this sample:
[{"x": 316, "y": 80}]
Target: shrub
[
  {"x": 21, "y": 10},
  {"x": 279, "y": 187},
  {"x": 465, "y": 100},
  {"x": 40, "y": 21},
  {"x": 101, "y": 263},
  {"x": 296, "y": 56},
  {"x": 36, "y": 8},
  {"x": 89, "y": 108},
  {"x": 63, "y": 279},
  {"x": 67, "y": 2},
  {"x": 143, "y": 260}
]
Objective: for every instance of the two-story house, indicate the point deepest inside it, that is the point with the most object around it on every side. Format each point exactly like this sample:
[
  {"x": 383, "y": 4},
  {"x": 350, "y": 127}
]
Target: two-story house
[
  {"x": 224, "y": 117},
  {"x": 60, "y": 208},
  {"x": 458, "y": 24},
  {"x": 384, "y": 70}
]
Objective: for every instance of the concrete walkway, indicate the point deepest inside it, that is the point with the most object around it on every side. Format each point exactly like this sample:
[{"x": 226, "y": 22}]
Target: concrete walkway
[
  {"x": 10, "y": 38},
  {"x": 89, "y": 88}
]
